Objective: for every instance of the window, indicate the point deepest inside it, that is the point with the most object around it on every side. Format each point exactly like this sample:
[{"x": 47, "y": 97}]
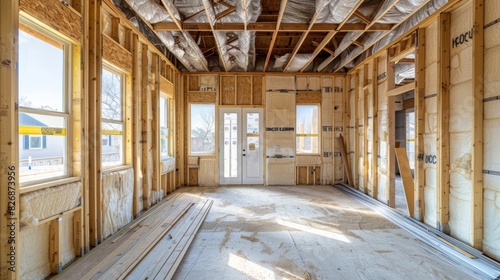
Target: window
[
  {"x": 35, "y": 142},
  {"x": 112, "y": 129},
  {"x": 43, "y": 105},
  {"x": 410, "y": 137},
  {"x": 202, "y": 128},
  {"x": 165, "y": 135},
  {"x": 307, "y": 130}
]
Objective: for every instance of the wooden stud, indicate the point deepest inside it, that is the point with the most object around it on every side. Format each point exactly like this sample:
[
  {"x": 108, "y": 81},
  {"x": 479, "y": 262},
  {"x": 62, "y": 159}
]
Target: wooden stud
[
  {"x": 443, "y": 141},
  {"x": 478, "y": 118},
  {"x": 420, "y": 126},
  {"x": 94, "y": 123},
  {"x": 155, "y": 124},
  {"x": 145, "y": 129},
  {"x": 390, "y": 138},
  {"x": 136, "y": 123},
  {"x": 9, "y": 164},
  {"x": 115, "y": 29},
  {"x": 375, "y": 129},
  {"x": 347, "y": 109},
  {"x": 365, "y": 128},
  {"x": 78, "y": 237},
  {"x": 356, "y": 131},
  {"x": 55, "y": 253}
]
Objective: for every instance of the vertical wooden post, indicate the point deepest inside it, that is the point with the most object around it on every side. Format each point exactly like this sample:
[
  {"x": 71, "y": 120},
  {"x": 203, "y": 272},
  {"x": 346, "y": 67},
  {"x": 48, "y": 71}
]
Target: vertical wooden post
[
  {"x": 419, "y": 126},
  {"x": 478, "y": 117},
  {"x": 375, "y": 129},
  {"x": 443, "y": 141},
  {"x": 180, "y": 145},
  {"x": 85, "y": 57},
  {"x": 9, "y": 163},
  {"x": 78, "y": 236},
  {"x": 155, "y": 94},
  {"x": 366, "y": 93},
  {"x": 390, "y": 138},
  {"x": 346, "y": 118},
  {"x": 94, "y": 121},
  {"x": 146, "y": 188},
  {"x": 55, "y": 245},
  {"x": 356, "y": 131},
  {"x": 136, "y": 123}
]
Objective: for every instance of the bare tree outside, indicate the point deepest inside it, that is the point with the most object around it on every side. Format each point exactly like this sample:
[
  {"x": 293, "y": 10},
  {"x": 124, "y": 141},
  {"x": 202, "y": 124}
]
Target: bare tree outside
[{"x": 202, "y": 129}]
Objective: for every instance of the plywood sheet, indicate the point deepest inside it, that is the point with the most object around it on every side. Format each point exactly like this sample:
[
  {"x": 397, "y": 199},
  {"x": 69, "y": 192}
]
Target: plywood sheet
[
  {"x": 244, "y": 90},
  {"x": 280, "y": 172},
  {"x": 302, "y": 175},
  {"x": 193, "y": 176},
  {"x": 55, "y": 14},
  {"x": 194, "y": 82},
  {"x": 308, "y": 97},
  {"x": 228, "y": 90},
  {"x": 257, "y": 91},
  {"x": 201, "y": 97},
  {"x": 115, "y": 54},
  {"x": 207, "y": 172}
]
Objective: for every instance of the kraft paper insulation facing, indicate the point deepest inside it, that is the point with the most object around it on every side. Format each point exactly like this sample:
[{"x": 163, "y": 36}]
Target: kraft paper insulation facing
[
  {"x": 35, "y": 262},
  {"x": 430, "y": 130},
  {"x": 460, "y": 126},
  {"x": 42, "y": 204},
  {"x": 280, "y": 113},
  {"x": 491, "y": 242},
  {"x": 118, "y": 190}
]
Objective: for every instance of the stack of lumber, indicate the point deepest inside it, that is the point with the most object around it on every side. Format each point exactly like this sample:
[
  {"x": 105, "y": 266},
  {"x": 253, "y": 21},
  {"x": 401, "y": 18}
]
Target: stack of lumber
[{"x": 151, "y": 247}]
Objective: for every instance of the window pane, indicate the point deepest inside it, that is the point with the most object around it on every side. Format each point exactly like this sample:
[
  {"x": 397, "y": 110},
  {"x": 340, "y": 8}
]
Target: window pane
[
  {"x": 111, "y": 99},
  {"x": 202, "y": 128},
  {"x": 112, "y": 144},
  {"x": 42, "y": 147},
  {"x": 164, "y": 128},
  {"x": 41, "y": 73},
  {"x": 307, "y": 129}
]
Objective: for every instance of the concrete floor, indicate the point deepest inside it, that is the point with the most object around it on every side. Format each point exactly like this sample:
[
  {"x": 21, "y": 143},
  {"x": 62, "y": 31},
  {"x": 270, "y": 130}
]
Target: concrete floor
[{"x": 303, "y": 232}]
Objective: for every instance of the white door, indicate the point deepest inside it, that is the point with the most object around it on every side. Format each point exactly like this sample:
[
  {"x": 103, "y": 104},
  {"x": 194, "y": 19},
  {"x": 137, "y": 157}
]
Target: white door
[{"x": 241, "y": 157}]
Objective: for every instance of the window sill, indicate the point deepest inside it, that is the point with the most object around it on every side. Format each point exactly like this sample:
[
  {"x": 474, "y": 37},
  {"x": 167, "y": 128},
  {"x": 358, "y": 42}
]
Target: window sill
[
  {"x": 116, "y": 168},
  {"x": 45, "y": 185}
]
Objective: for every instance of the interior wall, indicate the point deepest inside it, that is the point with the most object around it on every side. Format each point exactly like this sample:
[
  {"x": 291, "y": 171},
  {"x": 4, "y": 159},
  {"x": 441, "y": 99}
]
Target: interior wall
[
  {"x": 461, "y": 128},
  {"x": 55, "y": 214},
  {"x": 491, "y": 176}
]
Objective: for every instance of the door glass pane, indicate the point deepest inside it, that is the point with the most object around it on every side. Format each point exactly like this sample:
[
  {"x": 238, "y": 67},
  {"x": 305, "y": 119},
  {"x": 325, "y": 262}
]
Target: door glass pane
[
  {"x": 252, "y": 146},
  {"x": 230, "y": 145}
]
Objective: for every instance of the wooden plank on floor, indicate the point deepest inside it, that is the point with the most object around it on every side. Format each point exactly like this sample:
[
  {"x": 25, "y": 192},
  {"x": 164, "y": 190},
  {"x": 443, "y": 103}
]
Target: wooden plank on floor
[
  {"x": 97, "y": 256},
  {"x": 151, "y": 264},
  {"x": 405, "y": 170},
  {"x": 173, "y": 262},
  {"x": 129, "y": 260}
]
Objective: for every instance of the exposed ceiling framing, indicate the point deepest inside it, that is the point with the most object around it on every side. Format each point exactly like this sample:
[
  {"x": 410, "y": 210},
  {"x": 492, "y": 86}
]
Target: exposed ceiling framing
[{"x": 277, "y": 35}]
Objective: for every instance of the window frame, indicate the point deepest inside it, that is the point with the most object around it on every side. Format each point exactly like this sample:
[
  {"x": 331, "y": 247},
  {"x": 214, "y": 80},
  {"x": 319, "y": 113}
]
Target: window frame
[
  {"x": 116, "y": 71},
  {"x": 168, "y": 122},
  {"x": 318, "y": 135},
  {"x": 52, "y": 38},
  {"x": 190, "y": 152}
]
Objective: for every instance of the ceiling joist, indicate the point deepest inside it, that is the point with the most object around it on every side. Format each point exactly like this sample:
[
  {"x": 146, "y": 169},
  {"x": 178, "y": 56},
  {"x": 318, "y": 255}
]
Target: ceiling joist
[
  {"x": 377, "y": 16},
  {"x": 178, "y": 23},
  {"x": 303, "y": 37},
  {"x": 331, "y": 35},
  {"x": 275, "y": 33},
  {"x": 269, "y": 27},
  {"x": 219, "y": 49}
]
